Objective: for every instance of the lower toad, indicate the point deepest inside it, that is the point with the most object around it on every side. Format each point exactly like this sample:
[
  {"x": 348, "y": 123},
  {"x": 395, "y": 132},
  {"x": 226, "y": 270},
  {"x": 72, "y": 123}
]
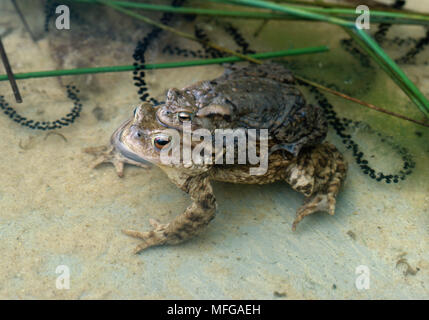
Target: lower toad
[{"x": 317, "y": 172}]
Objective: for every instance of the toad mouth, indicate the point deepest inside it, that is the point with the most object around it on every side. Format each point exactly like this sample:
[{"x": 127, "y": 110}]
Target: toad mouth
[{"x": 122, "y": 148}]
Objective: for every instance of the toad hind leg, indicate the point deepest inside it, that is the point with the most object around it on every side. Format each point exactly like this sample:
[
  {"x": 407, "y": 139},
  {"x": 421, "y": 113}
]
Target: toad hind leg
[
  {"x": 195, "y": 218},
  {"x": 328, "y": 167}
]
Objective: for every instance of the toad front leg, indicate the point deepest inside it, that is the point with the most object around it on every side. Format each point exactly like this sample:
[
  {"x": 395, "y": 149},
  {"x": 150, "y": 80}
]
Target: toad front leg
[
  {"x": 195, "y": 218},
  {"x": 105, "y": 154}
]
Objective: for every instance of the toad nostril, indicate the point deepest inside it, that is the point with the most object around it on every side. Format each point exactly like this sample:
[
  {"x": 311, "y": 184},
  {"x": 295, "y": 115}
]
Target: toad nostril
[{"x": 137, "y": 133}]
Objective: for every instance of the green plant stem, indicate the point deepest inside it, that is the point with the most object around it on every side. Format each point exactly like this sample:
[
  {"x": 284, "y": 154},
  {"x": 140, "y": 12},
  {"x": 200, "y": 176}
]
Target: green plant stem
[
  {"x": 376, "y": 16},
  {"x": 398, "y": 75},
  {"x": 188, "y": 10},
  {"x": 289, "y": 9},
  {"x": 381, "y": 63},
  {"x": 369, "y": 45},
  {"x": 377, "y": 7},
  {"x": 180, "y": 64},
  {"x": 374, "y": 13}
]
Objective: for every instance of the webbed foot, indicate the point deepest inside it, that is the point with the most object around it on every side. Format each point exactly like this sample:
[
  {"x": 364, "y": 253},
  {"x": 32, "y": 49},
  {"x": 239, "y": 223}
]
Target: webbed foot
[
  {"x": 155, "y": 237},
  {"x": 110, "y": 154},
  {"x": 320, "y": 202},
  {"x": 186, "y": 225}
]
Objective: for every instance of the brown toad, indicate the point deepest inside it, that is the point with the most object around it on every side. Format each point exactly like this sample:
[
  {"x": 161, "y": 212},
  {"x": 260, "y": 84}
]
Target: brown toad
[
  {"x": 256, "y": 96},
  {"x": 317, "y": 172}
]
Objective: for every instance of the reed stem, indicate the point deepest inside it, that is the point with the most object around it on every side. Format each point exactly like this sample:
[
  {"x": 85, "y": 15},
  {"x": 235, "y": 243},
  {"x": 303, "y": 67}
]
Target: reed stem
[
  {"x": 376, "y": 16},
  {"x": 165, "y": 65}
]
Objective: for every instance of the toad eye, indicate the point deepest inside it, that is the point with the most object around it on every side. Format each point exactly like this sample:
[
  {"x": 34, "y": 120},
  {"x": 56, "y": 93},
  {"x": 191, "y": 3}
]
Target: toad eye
[
  {"x": 184, "y": 116},
  {"x": 160, "y": 141}
]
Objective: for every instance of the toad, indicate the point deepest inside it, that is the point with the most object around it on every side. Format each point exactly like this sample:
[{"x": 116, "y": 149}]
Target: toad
[
  {"x": 317, "y": 171},
  {"x": 255, "y": 96}
]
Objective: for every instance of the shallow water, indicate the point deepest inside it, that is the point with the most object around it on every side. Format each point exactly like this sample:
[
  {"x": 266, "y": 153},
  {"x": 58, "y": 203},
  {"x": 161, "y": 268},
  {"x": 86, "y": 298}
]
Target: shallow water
[{"x": 54, "y": 210}]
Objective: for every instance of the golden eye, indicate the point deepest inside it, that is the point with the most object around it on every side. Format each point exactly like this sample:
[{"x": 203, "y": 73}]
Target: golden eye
[
  {"x": 184, "y": 116},
  {"x": 160, "y": 141}
]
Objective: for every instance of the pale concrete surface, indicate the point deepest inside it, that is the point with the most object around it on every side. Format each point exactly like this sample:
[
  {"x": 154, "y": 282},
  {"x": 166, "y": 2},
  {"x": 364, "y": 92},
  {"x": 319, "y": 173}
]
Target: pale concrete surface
[{"x": 55, "y": 211}]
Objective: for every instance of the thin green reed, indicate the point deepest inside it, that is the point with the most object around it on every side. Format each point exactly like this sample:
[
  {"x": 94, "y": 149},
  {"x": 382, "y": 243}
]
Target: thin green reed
[
  {"x": 165, "y": 65},
  {"x": 376, "y": 15}
]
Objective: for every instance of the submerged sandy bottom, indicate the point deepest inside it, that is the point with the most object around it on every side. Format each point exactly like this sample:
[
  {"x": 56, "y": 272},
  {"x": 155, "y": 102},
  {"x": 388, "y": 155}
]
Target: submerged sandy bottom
[{"x": 55, "y": 211}]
